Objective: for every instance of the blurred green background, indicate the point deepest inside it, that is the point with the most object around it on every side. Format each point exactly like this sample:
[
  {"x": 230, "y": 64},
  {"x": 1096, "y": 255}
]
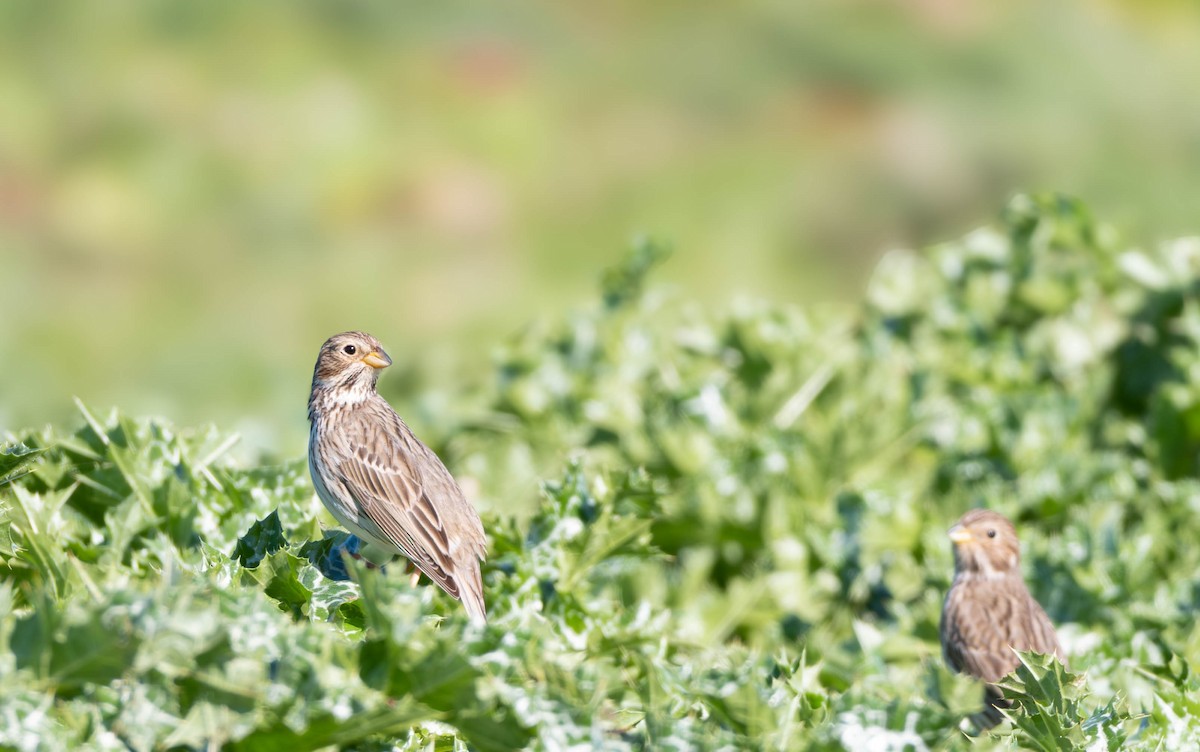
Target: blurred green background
[{"x": 193, "y": 196}]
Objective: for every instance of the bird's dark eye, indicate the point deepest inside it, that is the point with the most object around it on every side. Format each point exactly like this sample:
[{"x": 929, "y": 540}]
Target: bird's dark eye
[
  {"x": 991, "y": 533},
  {"x": 349, "y": 349}
]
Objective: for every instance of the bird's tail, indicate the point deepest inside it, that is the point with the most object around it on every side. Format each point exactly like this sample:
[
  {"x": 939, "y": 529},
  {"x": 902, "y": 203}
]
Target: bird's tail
[
  {"x": 471, "y": 592},
  {"x": 994, "y": 705}
]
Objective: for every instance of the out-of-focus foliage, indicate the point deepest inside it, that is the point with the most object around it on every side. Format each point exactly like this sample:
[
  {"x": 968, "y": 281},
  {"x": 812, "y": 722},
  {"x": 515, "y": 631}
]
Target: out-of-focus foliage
[
  {"x": 193, "y": 196},
  {"x": 738, "y": 541}
]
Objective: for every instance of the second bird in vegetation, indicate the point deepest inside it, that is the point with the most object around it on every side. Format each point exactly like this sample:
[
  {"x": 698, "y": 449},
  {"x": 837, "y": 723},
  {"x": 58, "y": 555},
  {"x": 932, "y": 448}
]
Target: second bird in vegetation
[
  {"x": 380, "y": 481},
  {"x": 989, "y": 611}
]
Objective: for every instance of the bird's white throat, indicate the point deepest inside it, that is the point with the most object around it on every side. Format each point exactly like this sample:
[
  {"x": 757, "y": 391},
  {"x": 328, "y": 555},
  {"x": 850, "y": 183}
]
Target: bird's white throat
[
  {"x": 985, "y": 572},
  {"x": 349, "y": 396},
  {"x": 353, "y": 393}
]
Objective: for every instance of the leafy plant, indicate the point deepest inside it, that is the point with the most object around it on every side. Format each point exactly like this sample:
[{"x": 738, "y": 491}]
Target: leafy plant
[{"x": 718, "y": 530}]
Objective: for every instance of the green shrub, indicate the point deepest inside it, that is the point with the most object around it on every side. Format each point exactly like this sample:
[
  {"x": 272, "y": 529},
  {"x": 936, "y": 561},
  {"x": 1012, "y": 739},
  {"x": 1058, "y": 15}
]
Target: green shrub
[{"x": 738, "y": 541}]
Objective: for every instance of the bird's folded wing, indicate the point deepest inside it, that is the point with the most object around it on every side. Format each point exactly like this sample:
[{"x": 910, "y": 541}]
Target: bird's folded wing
[
  {"x": 392, "y": 496},
  {"x": 1038, "y": 634},
  {"x": 972, "y": 642}
]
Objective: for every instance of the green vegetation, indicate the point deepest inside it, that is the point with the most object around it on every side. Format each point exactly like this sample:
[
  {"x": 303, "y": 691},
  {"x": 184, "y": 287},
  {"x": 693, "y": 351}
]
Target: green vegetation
[{"x": 739, "y": 541}]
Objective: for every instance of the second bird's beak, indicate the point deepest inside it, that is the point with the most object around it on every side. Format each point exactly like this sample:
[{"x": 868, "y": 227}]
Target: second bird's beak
[
  {"x": 959, "y": 534},
  {"x": 377, "y": 359}
]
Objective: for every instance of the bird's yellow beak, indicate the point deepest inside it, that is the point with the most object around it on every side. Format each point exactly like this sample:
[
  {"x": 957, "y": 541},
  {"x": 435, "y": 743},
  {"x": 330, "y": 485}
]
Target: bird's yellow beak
[
  {"x": 959, "y": 534},
  {"x": 377, "y": 359}
]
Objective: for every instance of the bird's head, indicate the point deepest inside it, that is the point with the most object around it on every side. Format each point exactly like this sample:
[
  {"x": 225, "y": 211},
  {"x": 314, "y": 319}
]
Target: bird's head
[
  {"x": 350, "y": 362},
  {"x": 985, "y": 543}
]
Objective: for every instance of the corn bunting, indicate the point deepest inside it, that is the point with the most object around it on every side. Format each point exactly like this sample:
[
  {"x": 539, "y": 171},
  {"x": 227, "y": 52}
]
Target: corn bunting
[
  {"x": 380, "y": 481},
  {"x": 989, "y": 611}
]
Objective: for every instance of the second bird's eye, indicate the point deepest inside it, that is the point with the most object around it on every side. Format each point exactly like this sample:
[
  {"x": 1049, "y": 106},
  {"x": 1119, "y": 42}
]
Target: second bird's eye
[
  {"x": 349, "y": 349},
  {"x": 991, "y": 533}
]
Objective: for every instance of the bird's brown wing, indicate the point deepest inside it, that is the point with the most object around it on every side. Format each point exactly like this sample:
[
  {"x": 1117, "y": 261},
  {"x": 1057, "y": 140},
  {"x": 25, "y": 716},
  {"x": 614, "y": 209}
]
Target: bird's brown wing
[
  {"x": 467, "y": 540},
  {"x": 382, "y": 465},
  {"x": 1036, "y": 632},
  {"x": 974, "y": 632},
  {"x": 983, "y": 621}
]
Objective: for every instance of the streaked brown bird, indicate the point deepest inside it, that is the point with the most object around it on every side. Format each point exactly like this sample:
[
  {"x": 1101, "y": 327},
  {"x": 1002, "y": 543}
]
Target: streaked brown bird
[
  {"x": 989, "y": 610},
  {"x": 380, "y": 481}
]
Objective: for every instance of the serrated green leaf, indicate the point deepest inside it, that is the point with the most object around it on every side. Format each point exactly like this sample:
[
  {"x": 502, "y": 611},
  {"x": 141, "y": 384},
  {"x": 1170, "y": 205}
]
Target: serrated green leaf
[
  {"x": 279, "y": 576},
  {"x": 13, "y": 457},
  {"x": 264, "y": 538}
]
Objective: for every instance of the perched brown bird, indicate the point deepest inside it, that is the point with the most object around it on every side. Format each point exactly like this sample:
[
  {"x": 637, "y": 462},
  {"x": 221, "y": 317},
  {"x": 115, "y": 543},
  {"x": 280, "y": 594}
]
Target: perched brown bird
[
  {"x": 989, "y": 611},
  {"x": 380, "y": 481}
]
